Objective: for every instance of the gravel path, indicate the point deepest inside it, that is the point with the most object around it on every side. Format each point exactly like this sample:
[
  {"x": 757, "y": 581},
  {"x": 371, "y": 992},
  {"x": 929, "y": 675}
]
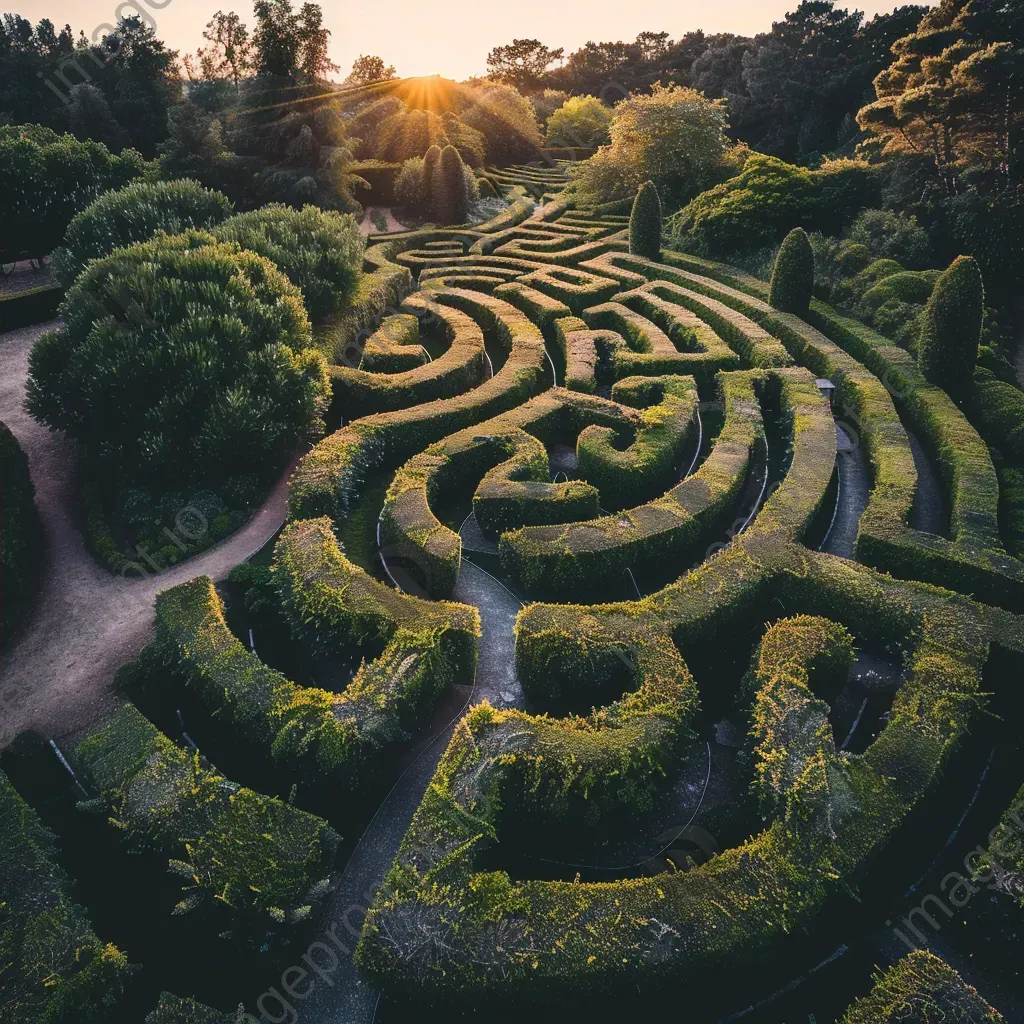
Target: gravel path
[
  {"x": 928, "y": 513},
  {"x": 854, "y": 490},
  {"x": 341, "y": 996},
  {"x": 56, "y": 674}
]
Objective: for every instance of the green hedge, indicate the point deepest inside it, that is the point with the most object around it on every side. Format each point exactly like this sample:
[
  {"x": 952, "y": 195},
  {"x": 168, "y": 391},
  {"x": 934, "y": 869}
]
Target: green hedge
[
  {"x": 947, "y": 349},
  {"x": 667, "y": 930},
  {"x": 21, "y": 535},
  {"x": 792, "y": 282},
  {"x": 381, "y": 176},
  {"x": 55, "y": 970},
  {"x": 265, "y": 862},
  {"x": 359, "y": 393},
  {"x": 395, "y": 346},
  {"x": 921, "y": 987},
  {"x": 32, "y": 306},
  {"x": 578, "y": 345}
]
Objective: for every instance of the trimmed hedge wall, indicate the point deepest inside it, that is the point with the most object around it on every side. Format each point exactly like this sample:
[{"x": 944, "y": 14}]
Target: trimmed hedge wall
[
  {"x": 329, "y": 477},
  {"x": 416, "y": 649},
  {"x": 395, "y": 346},
  {"x": 55, "y": 969},
  {"x": 359, "y": 393},
  {"x": 533, "y": 941},
  {"x": 265, "y": 862},
  {"x": 21, "y": 535},
  {"x": 29, "y": 307},
  {"x": 921, "y": 987}
]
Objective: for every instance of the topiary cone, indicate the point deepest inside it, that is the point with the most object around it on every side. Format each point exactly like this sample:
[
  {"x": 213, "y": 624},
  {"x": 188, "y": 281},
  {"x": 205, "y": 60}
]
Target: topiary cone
[
  {"x": 451, "y": 194},
  {"x": 431, "y": 165},
  {"x": 645, "y": 223},
  {"x": 951, "y": 328},
  {"x": 793, "y": 275}
]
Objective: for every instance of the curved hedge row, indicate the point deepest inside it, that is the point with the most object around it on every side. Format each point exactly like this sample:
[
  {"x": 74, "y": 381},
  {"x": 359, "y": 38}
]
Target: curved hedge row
[
  {"x": 516, "y": 481},
  {"x": 538, "y": 940},
  {"x": 55, "y": 969},
  {"x": 359, "y": 393},
  {"x": 264, "y": 862},
  {"x": 395, "y": 346},
  {"x": 329, "y": 477}
]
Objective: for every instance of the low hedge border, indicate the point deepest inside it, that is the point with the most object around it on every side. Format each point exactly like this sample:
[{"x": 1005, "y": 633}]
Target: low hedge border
[
  {"x": 328, "y": 479},
  {"x": 56, "y": 970},
  {"x": 535, "y": 941},
  {"x": 359, "y": 393},
  {"x": 565, "y": 257},
  {"x": 265, "y": 862},
  {"x": 577, "y": 288},
  {"x": 578, "y": 345},
  {"x": 29, "y": 307},
  {"x": 542, "y": 310}
]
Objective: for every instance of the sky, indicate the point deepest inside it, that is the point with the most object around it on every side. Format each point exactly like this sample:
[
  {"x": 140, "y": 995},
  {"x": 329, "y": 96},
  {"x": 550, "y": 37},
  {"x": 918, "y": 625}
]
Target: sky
[{"x": 447, "y": 37}]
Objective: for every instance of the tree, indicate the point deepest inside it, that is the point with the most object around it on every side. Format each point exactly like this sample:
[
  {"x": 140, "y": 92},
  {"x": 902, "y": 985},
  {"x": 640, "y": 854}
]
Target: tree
[
  {"x": 367, "y": 69},
  {"x": 792, "y": 283},
  {"x": 133, "y": 214},
  {"x": 507, "y": 121},
  {"x": 674, "y": 137},
  {"x": 313, "y": 38},
  {"x": 645, "y": 223},
  {"x": 90, "y": 118},
  {"x": 521, "y": 63},
  {"x": 175, "y": 355},
  {"x": 955, "y": 94},
  {"x": 951, "y": 328},
  {"x": 582, "y": 121},
  {"x": 276, "y": 38},
  {"x": 229, "y": 55}
]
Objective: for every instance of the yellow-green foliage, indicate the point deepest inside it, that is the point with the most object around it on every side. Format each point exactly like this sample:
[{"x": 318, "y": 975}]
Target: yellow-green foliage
[
  {"x": 264, "y": 861},
  {"x": 645, "y": 223},
  {"x": 54, "y": 968},
  {"x": 793, "y": 276},
  {"x": 921, "y": 987}
]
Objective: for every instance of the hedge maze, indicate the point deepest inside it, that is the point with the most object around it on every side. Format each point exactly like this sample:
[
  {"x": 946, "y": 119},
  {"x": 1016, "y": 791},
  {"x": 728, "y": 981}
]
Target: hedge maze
[{"x": 642, "y": 452}]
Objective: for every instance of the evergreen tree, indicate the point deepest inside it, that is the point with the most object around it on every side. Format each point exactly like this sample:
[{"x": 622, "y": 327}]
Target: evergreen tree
[
  {"x": 645, "y": 223},
  {"x": 793, "y": 276}
]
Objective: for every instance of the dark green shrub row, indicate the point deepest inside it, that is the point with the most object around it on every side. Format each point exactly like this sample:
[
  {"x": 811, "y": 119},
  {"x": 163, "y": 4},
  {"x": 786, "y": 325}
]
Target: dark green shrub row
[
  {"x": 265, "y": 862},
  {"x": 359, "y": 393},
  {"x": 655, "y": 931},
  {"x": 21, "y": 535},
  {"x": 380, "y": 177},
  {"x": 997, "y": 410},
  {"x": 329, "y": 477},
  {"x": 55, "y": 969},
  {"x": 516, "y": 482},
  {"x": 921, "y": 987},
  {"x": 32, "y": 306},
  {"x": 133, "y": 214}
]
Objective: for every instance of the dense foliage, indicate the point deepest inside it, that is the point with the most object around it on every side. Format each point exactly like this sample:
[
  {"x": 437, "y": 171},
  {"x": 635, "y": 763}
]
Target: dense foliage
[
  {"x": 48, "y": 178},
  {"x": 793, "y": 277},
  {"x": 645, "y": 223},
  {"x": 319, "y": 251},
  {"x": 174, "y": 356},
  {"x": 134, "y": 214},
  {"x": 20, "y": 534},
  {"x": 580, "y": 122}
]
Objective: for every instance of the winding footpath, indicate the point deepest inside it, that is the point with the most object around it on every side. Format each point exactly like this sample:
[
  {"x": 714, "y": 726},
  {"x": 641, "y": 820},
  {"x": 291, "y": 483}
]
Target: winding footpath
[
  {"x": 341, "y": 996},
  {"x": 852, "y": 498},
  {"x": 85, "y": 622}
]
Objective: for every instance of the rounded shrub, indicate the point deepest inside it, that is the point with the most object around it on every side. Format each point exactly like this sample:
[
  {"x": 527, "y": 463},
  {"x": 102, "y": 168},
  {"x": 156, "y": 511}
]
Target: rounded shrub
[
  {"x": 793, "y": 276},
  {"x": 319, "y": 251},
  {"x": 645, "y": 223},
  {"x": 951, "y": 328},
  {"x": 180, "y": 361},
  {"x": 134, "y": 214},
  {"x": 410, "y": 191}
]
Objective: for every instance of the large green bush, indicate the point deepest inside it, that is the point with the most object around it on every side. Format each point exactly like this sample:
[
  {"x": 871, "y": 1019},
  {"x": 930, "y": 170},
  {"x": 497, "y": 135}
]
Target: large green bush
[
  {"x": 47, "y": 179},
  {"x": 793, "y": 276},
  {"x": 581, "y": 122},
  {"x": 133, "y": 214},
  {"x": 319, "y": 251},
  {"x": 177, "y": 358},
  {"x": 645, "y": 223},
  {"x": 20, "y": 535},
  {"x": 507, "y": 121},
  {"x": 451, "y": 200},
  {"x": 951, "y": 328}
]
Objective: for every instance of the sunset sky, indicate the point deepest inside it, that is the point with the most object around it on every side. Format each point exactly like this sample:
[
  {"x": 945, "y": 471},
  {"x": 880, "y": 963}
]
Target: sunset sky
[{"x": 449, "y": 37}]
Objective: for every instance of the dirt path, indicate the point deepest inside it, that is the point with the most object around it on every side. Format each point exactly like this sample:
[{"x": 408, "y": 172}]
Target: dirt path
[
  {"x": 86, "y": 623},
  {"x": 366, "y": 226}
]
